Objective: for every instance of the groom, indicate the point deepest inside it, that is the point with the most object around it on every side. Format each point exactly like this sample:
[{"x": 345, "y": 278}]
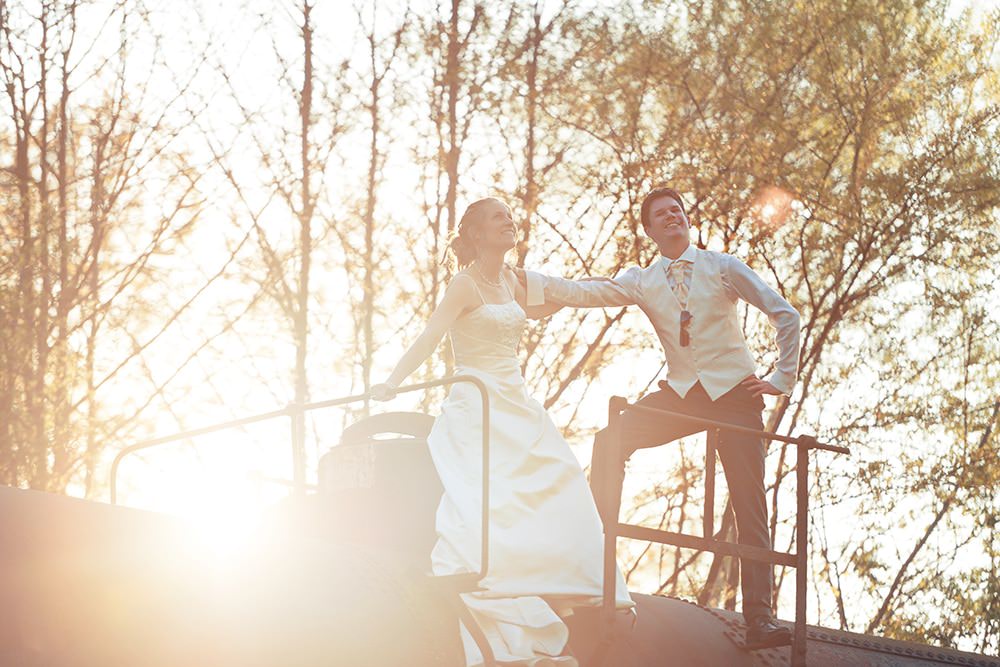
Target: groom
[{"x": 690, "y": 297}]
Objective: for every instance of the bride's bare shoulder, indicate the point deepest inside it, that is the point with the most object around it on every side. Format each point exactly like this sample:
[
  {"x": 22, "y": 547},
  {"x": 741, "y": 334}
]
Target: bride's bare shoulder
[
  {"x": 462, "y": 280},
  {"x": 463, "y": 287},
  {"x": 462, "y": 293}
]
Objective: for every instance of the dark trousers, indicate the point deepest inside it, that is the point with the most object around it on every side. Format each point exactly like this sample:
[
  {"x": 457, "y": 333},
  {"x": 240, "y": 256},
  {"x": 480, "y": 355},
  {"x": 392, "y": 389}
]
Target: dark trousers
[{"x": 742, "y": 459}]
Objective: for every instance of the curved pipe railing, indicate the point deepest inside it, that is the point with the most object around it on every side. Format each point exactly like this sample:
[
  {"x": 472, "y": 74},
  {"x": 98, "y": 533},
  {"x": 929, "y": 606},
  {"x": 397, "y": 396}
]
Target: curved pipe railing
[{"x": 293, "y": 410}]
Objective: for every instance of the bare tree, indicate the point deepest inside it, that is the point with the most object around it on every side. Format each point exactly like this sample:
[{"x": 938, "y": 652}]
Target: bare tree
[
  {"x": 294, "y": 143},
  {"x": 85, "y": 159}
]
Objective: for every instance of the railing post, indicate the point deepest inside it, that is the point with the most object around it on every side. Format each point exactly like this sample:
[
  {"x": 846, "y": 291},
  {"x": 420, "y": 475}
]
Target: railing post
[
  {"x": 708, "y": 521},
  {"x": 297, "y": 417},
  {"x": 484, "y": 548},
  {"x": 611, "y": 464},
  {"x": 801, "y": 553}
]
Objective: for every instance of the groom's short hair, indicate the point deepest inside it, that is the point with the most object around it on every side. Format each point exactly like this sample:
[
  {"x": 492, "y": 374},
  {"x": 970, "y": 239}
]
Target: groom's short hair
[{"x": 655, "y": 194}]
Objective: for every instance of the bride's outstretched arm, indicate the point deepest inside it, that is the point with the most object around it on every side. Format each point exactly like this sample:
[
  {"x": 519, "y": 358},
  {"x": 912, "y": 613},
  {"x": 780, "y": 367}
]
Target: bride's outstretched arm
[{"x": 458, "y": 297}]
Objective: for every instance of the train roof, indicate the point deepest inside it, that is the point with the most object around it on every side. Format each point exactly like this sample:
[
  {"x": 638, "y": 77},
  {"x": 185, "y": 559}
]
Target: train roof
[{"x": 670, "y": 631}]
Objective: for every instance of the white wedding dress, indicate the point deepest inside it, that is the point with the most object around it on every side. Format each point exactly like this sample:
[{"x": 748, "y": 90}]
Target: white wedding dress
[{"x": 545, "y": 533}]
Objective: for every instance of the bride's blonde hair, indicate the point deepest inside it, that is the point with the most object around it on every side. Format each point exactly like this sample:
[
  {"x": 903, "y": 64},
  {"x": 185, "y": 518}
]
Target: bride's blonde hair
[{"x": 462, "y": 243}]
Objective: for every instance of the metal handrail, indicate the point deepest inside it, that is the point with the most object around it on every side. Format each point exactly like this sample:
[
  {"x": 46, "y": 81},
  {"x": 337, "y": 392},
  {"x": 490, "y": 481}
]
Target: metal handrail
[
  {"x": 802, "y": 440},
  {"x": 295, "y": 409},
  {"x": 183, "y": 435},
  {"x": 799, "y": 560}
]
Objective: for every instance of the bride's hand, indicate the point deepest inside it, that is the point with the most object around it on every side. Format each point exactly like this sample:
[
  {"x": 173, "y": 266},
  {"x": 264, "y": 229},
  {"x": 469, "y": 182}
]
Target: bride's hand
[{"x": 383, "y": 391}]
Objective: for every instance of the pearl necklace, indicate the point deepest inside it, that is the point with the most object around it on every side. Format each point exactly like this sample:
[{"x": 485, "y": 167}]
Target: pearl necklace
[{"x": 494, "y": 283}]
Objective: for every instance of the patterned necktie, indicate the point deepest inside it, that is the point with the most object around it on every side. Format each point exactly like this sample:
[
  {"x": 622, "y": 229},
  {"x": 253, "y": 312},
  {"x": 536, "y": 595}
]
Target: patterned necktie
[{"x": 679, "y": 270}]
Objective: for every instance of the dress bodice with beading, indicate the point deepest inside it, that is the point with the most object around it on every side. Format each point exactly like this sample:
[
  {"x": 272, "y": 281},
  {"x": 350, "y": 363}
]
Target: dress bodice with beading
[{"x": 489, "y": 333}]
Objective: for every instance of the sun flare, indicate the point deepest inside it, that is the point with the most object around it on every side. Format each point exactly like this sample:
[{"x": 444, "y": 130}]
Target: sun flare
[{"x": 773, "y": 207}]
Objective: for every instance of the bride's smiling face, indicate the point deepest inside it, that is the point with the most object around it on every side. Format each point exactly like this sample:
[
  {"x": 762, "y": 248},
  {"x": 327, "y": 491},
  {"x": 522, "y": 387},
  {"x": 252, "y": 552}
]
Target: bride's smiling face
[{"x": 495, "y": 226}]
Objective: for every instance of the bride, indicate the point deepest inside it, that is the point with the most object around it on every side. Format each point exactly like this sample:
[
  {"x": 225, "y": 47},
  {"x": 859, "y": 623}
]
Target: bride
[{"x": 545, "y": 533}]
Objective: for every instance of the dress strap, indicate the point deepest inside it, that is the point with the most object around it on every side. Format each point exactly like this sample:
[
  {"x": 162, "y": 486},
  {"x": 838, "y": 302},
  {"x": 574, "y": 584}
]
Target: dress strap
[
  {"x": 476, "y": 285},
  {"x": 506, "y": 284}
]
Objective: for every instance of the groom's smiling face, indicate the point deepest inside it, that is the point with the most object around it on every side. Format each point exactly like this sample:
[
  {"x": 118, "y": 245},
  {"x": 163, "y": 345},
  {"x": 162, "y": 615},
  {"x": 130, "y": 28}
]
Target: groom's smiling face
[{"x": 667, "y": 221}]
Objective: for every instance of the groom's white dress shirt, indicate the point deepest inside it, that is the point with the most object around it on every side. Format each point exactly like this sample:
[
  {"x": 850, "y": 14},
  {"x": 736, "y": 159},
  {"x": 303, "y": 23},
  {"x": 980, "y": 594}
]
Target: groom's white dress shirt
[{"x": 717, "y": 354}]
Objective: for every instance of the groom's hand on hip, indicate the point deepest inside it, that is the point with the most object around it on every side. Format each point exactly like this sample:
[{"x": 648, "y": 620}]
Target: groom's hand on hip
[{"x": 758, "y": 387}]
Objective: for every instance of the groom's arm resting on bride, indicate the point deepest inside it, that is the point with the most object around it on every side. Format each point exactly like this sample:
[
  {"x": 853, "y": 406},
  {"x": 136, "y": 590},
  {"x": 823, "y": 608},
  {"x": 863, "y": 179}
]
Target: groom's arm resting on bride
[{"x": 460, "y": 297}]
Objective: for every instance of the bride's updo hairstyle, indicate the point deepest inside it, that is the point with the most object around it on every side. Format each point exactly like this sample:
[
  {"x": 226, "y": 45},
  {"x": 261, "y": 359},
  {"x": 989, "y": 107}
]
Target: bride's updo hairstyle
[{"x": 463, "y": 240}]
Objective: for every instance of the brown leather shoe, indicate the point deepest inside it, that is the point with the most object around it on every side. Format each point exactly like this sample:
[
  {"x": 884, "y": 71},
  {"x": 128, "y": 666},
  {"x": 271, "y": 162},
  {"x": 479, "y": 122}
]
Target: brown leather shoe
[{"x": 763, "y": 632}]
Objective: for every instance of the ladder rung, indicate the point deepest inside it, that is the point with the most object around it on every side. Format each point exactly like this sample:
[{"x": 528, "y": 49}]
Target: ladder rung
[{"x": 700, "y": 543}]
